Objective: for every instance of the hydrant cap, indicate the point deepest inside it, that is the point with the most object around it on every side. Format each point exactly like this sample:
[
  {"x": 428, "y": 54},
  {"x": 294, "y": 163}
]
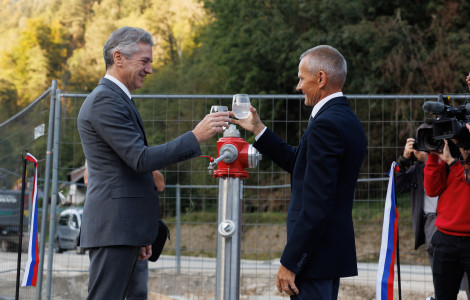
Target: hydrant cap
[{"x": 232, "y": 131}]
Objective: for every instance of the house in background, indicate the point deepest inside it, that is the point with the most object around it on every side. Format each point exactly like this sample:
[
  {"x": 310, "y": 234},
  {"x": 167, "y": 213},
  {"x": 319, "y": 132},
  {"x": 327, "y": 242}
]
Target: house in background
[{"x": 77, "y": 189}]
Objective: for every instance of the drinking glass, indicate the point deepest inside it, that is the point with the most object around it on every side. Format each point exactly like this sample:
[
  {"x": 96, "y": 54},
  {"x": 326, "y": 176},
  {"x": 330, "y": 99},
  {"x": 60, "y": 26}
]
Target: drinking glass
[
  {"x": 218, "y": 108},
  {"x": 241, "y": 106}
]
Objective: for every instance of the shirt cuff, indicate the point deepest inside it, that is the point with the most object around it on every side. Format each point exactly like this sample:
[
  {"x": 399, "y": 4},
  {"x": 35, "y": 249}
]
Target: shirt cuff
[{"x": 260, "y": 134}]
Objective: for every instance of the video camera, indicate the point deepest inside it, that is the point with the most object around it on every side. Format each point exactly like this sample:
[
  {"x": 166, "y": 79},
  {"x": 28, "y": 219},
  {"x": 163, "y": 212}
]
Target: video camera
[{"x": 449, "y": 124}]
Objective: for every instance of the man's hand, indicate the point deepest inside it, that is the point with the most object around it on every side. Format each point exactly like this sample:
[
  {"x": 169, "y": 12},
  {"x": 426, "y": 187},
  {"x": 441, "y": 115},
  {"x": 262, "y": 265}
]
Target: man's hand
[
  {"x": 468, "y": 126},
  {"x": 285, "y": 281},
  {"x": 211, "y": 125},
  {"x": 408, "y": 152},
  {"x": 252, "y": 123},
  {"x": 445, "y": 154},
  {"x": 159, "y": 180},
  {"x": 145, "y": 252}
]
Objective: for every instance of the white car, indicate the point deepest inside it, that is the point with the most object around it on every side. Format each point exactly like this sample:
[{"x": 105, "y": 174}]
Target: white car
[{"x": 68, "y": 230}]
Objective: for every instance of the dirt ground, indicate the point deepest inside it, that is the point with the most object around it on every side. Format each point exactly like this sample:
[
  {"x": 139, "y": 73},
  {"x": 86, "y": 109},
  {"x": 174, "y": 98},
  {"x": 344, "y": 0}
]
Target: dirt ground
[
  {"x": 200, "y": 286},
  {"x": 259, "y": 242}
]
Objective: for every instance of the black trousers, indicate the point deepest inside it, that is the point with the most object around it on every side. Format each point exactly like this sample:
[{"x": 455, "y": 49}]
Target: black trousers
[
  {"x": 451, "y": 260},
  {"x": 110, "y": 271}
]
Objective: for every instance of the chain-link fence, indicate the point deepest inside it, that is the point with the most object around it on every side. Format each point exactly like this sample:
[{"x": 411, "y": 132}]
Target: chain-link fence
[
  {"x": 189, "y": 203},
  {"x": 27, "y": 131}
]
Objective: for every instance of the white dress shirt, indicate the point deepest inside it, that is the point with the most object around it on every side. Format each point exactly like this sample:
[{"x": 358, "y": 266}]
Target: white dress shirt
[{"x": 119, "y": 84}]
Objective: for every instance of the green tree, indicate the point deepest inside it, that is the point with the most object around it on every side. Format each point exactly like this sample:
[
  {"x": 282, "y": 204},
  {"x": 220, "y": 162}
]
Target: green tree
[
  {"x": 8, "y": 99},
  {"x": 39, "y": 56}
]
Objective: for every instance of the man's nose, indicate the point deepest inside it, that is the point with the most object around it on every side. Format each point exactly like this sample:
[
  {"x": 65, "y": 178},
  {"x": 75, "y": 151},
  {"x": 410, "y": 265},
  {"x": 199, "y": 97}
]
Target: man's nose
[{"x": 148, "y": 68}]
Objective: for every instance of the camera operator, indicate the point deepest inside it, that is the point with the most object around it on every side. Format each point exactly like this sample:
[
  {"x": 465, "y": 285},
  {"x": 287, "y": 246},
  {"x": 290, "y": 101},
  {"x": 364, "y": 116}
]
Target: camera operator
[
  {"x": 448, "y": 177},
  {"x": 409, "y": 176}
]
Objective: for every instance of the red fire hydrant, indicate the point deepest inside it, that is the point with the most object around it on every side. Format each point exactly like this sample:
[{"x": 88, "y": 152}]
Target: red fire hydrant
[{"x": 234, "y": 155}]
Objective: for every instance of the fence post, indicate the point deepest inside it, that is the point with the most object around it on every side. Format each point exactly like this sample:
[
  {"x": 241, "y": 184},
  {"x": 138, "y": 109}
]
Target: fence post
[
  {"x": 45, "y": 198},
  {"x": 55, "y": 175},
  {"x": 178, "y": 228}
]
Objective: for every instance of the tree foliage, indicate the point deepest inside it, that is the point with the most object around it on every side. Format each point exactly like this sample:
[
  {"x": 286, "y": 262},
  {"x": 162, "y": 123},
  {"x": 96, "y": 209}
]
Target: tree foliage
[{"x": 232, "y": 46}]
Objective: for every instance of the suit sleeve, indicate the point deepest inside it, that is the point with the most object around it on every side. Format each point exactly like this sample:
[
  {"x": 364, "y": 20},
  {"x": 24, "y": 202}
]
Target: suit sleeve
[
  {"x": 325, "y": 148},
  {"x": 276, "y": 149},
  {"x": 112, "y": 121}
]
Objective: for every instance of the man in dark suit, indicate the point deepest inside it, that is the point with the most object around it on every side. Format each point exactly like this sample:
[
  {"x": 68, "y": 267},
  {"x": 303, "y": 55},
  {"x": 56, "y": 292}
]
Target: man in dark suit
[
  {"x": 324, "y": 170},
  {"x": 120, "y": 218}
]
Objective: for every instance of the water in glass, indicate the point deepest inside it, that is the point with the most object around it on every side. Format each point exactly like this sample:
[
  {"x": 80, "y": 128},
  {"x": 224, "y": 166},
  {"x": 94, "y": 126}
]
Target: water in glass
[{"x": 241, "y": 106}]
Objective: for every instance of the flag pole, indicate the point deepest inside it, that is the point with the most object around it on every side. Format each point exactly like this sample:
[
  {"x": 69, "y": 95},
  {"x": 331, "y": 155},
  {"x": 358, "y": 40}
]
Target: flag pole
[
  {"x": 20, "y": 230},
  {"x": 398, "y": 244}
]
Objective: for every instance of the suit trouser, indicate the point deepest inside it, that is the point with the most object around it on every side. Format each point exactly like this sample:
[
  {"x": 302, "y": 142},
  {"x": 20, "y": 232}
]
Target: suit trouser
[
  {"x": 138, "y": 289},
  {"x": 110, "y": 271},
  {"x": 318, "y": 289},
  {"x": 451, "y": 260}
]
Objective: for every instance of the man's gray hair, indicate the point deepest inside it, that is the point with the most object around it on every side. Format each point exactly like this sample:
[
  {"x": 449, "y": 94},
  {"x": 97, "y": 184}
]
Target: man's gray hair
[
  {"x": 125, "y": 39},
  {"x": 328, "y": 59}
]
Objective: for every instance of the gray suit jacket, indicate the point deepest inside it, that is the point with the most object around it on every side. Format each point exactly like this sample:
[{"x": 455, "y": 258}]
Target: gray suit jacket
[{"x": 121, "y": 206}]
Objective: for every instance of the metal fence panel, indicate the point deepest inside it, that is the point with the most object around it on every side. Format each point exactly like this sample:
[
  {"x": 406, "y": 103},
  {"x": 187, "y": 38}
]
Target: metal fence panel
[
  {"x": 27, "y": 131},
  {"x": 187, "y": 268}
]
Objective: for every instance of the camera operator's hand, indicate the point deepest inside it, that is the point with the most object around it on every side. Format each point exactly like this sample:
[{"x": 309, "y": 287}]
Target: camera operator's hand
[
  {"x": 408, "y": 152},
  {"x": 445, "y": 155}
]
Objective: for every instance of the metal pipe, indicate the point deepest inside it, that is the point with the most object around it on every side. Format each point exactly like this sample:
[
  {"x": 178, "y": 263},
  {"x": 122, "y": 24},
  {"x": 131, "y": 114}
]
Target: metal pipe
[
  {"x": 55, "y": 175},
  {"x": 47, "y": 182},
  {"x": 20, "y": 230},
  {"x": 229, "y": 239},
  {"x": 178, "y": 229}
]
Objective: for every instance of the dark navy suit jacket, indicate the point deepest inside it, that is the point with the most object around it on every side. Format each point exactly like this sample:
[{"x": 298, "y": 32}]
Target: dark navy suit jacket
[{"x": 324, "y": 170}]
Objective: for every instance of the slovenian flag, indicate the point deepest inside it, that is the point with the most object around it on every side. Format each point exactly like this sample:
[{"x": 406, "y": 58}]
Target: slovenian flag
[
  {"x": 386, "y": 267},
  {"x": 31, "y": 269}
]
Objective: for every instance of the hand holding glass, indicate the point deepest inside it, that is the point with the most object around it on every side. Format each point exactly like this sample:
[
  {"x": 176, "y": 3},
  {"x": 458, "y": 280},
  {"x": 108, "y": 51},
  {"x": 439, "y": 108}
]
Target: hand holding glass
[{"x": 241, "y": 106}]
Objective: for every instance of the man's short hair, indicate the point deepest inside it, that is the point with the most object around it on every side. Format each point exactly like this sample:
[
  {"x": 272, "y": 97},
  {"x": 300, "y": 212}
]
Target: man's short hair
[
  {"x": 125, "y": 39},
  {"x": 328, "y": 59}
]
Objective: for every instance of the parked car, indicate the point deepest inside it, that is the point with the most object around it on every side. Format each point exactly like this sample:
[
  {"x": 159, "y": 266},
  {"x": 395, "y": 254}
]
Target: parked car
[
  {"x": 68, "y": 229},
  {"x": 10, "y": 207}
]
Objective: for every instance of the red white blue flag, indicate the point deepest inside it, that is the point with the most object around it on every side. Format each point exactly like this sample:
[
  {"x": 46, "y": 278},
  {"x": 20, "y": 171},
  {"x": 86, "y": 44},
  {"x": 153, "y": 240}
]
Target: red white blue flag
[
  {"x": 386, "y": 266},
  {"x": 31, "y": 269}
]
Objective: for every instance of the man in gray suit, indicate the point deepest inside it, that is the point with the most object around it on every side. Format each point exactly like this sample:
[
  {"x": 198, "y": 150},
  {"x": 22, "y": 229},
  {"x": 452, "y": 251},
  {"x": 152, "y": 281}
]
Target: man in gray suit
[{"x": 120, "y": 218}]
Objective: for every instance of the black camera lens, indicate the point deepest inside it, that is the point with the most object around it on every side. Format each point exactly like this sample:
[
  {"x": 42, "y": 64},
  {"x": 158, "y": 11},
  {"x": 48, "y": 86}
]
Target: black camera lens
[
  {"x": 431, "y": 144},
  {"x": 425, "y": 140}
]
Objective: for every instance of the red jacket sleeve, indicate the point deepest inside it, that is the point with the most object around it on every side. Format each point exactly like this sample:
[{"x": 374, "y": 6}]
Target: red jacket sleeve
[{"x": 435, "y": 176}]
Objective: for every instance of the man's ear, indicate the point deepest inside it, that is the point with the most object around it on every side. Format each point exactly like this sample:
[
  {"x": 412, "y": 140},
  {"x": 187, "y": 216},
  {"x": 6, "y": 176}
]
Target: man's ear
[
  {"x": 118, "y": 58},
  {"x": 321, "y": 79}
]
